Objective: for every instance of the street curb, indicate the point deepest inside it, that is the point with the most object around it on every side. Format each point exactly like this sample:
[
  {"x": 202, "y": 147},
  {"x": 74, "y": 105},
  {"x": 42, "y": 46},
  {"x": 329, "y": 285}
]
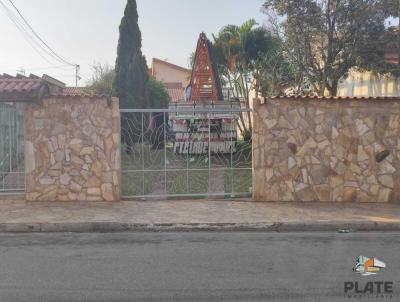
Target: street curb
[{"x": 113, "y": 227}]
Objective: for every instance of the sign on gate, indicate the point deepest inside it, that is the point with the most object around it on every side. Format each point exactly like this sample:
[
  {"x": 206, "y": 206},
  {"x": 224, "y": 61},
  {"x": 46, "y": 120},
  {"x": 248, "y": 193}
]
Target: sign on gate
[{"x": 192, "y": 136}]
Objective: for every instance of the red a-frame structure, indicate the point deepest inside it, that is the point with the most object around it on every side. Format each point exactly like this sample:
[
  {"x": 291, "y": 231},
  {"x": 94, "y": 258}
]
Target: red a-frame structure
[{"x": 205, "y": 84}]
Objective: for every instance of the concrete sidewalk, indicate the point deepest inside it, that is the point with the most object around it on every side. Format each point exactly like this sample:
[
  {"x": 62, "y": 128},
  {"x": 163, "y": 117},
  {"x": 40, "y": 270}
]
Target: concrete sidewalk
[{"x": 195, "y": 215}]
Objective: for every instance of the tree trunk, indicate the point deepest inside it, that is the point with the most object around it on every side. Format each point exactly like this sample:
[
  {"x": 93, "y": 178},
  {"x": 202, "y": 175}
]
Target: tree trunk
[
  {"x": 247, "y": 95},
  {"x": 334, "y": 88}
]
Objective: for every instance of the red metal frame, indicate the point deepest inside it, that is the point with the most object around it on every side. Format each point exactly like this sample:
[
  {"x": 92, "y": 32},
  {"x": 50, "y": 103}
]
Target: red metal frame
[{"x": 204, "y": 77}]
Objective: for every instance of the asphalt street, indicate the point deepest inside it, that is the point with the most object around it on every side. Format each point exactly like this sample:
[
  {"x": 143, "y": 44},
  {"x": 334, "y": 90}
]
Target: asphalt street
[{"x": 197, "y": 266}]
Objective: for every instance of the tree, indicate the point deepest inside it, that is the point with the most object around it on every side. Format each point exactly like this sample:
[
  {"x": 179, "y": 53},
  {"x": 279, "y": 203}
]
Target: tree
[
  {"x": 102, "y": 83},
  {"x": 102, "y": 79},
  {"x": 131, "y": 72},
  {"x": 158, "y": 97},
  {"x": 326, "y": 38},
  {"x": 267, "y": 61},
  {"x": 156, "y": 94},
  {"x": 249, "y": 57}
]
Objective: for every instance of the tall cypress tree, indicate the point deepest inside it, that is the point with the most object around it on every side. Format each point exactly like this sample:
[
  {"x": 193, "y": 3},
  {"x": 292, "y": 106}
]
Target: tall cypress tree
[{"x": 131, "y": 69}]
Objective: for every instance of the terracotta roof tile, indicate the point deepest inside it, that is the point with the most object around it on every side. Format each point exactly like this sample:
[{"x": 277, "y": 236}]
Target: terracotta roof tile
[
  {"x": 26, "y": 89},
  {"x": 8, "y": 84},
  {"x": 334, "y": 98},
  {"x": 72, "y": 91},
  {"x": 19, "y": 88},
  {"x": 175, "y": 91},
  {"x": 392, "y": 58},
  {"x": 75, "y": 92}
]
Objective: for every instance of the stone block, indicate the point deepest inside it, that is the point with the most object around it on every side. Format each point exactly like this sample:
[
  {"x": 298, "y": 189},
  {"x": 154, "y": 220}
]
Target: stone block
[
  {"x": 46, "y": 181},
  {"x": 86, "y": 151},
  {"x": 323, "y": 192},
  {"x": 306, "y": 194},
  {"x": 94, "y": 191},
  {"x": 384, "y": 195},
  {"x": 65, "y": 179},
  {"x": 349, "y": 194},
  {"x": 386, "y": 180},
  {"x": 107, "y": 192}
]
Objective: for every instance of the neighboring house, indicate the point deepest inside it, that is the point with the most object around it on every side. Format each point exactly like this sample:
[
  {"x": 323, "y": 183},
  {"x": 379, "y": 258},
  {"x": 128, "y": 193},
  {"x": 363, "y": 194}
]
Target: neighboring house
[
  {"x": 369, "y": 84},
  {"x": 174, "y": 77},
  {"x": 372, "y": 84}
]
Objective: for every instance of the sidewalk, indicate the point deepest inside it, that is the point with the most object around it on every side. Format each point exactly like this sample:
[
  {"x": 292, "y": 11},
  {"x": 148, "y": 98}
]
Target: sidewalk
[{"x": 195, "y": 215}]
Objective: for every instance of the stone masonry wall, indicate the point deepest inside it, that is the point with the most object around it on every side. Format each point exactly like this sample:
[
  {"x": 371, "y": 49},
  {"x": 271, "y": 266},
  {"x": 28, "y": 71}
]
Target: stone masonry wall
[
  {"x": 72, "y": 149},
  {"x": 326, "y": 150}
]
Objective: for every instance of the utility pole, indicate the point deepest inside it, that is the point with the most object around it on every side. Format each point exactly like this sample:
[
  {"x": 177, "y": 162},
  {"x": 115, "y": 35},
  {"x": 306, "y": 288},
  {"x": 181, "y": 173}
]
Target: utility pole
[{"x": 77, "y": 77}]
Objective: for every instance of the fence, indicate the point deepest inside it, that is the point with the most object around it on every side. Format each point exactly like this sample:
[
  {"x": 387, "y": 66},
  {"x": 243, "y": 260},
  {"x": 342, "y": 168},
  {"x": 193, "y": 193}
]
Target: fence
[
  {"x": 185, "y": 151},
  {"x": 12, "y": 167},
  {"x": 177, "y": 152}
]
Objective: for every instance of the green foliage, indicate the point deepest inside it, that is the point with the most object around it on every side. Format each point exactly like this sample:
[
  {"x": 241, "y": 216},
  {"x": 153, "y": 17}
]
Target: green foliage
[
  {"x": 250, "y": 57},
  {"x": 324, "y": 39},
  {"x": 391, "y": 40},
  {"x": 157, "y": 94},
  {"x": 247, "y": 136},
  {"x": 131, "y": 72},
  {"x": 102, "y": 79}
]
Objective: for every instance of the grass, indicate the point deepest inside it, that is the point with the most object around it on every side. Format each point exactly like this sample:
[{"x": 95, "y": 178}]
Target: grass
[{"x": 145, "y": 172}]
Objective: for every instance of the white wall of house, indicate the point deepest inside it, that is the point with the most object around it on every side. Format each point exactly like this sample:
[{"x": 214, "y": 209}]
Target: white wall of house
[
  {"x": 369, "y": 84},
  {"x": 168, "y": 74}
]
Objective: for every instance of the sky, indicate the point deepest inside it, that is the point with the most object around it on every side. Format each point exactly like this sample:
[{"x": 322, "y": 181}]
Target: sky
[{"x": 86, "y": 31}]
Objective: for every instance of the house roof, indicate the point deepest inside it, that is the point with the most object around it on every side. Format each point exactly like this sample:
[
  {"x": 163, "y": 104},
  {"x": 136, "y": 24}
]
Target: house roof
[
  {"x": 21, "y": 88},
  {"x": 155, "y": 60},
  {"x": 175, "y": 91},
  {"x": 392, "y": 58},
  {"x": 332, "y": 98},
  {"x": 34, "y": 88},
  {"x": 74, "y": 92},
  {"x": 20, "y": 83}
]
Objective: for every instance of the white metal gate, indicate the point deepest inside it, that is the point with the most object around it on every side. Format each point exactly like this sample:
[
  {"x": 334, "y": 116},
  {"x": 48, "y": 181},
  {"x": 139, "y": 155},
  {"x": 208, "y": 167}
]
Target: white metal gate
[
  {"x": 12, "y": 163},
  {"x": 186, "y": 152}
]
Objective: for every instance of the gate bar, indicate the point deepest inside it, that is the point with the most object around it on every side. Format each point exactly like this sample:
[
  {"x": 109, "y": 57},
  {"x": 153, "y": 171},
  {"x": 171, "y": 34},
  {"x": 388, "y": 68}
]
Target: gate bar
[{"x": 195, "y": 110}]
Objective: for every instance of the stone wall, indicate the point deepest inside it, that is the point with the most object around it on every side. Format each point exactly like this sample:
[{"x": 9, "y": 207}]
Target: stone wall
[
  {"x": 72, "y": 149},
  {"x": 326, "y": 150}
]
